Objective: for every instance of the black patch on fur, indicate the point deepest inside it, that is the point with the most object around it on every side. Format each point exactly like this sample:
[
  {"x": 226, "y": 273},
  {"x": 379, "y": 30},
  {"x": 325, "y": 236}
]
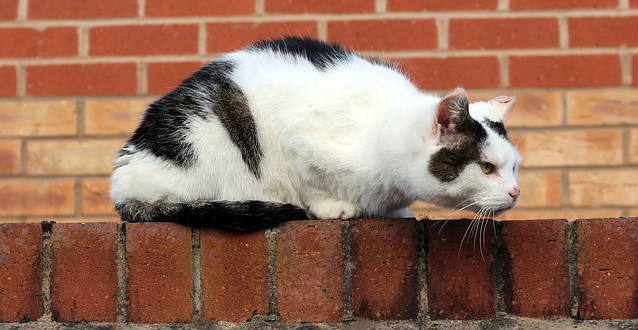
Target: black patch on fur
[
  {"x": 229, "y": 215},
  {"x": 497, "y": 127},
  {"x": 322, "y": 55},
  {"x": 210, "y": 89}
]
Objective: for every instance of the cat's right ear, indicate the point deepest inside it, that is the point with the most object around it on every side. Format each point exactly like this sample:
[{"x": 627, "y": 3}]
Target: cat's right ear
[{"x": 453, "y": 109}]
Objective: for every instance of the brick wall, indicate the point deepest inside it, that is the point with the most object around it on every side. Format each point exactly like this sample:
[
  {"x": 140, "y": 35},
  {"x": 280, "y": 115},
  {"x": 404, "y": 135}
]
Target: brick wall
[
  {"x": 386, "y": 274},
  {"x": 75, "y": 76}
]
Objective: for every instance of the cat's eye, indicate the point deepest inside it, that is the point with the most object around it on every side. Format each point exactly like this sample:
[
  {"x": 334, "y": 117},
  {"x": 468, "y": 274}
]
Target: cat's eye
[{"x": 487, "y": 168}]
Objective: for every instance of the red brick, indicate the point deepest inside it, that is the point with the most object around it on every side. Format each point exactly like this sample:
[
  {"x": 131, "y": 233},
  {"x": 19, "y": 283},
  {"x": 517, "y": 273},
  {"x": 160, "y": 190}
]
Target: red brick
[
  {"x": 82, "y": 79},
  {"x": 199, "y": 7},
  {"x": 503, "y": 33},
  {"x": 234, "y": 268},
  {"x": 82, "y": 8},
  {"x": 224, "y": 37},
  {"x": 531, "y": 246},
  {"x": 8, "y": 9},
  {"x": 159, "y": 272},
  {"x": 633, "y": 3},
  {"x": 603, "y": 31},
  {"x": 384, "y": 274},
  {"x": 7, "y": 81},
  {"x": 382, "y": 34},
  {"x": 143, "y": 40},
  {"x": 607, "y": 268},
  {"x": 565, "y": 71},
  {"x": 164, "y": 77},
  {"x": 444, "y": 73},
  {"x": 460, "y": 279},
  {"x": 309, "y": 271},
  {"x": 319, "y": 6},
  {"x": 417, "y": 5},
  {"x": 31, "y": 42},
  {"x": 634, "y": 70},
  {"x": 84, "y": 272},
  {"x": 20, "y": 272},
  {"x": 563, "y": 4}
]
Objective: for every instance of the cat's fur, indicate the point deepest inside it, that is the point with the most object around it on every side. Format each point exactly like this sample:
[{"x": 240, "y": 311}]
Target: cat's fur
[{"x": 295, "y": 127}]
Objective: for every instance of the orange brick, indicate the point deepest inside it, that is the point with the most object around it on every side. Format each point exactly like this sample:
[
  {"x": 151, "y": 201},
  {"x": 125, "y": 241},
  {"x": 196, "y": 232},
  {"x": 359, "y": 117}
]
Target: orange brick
[
  {"x": 31, "y": 42},
  {"x": 164, "y": 77},
  {"x": 37, "y": 118},
  {"x": 7, "y": 80},
  {"x": 199, "y": 7},
  {"x": 612, "y": 187},
  {"x": 72, "y": 156},
  {"x": 539, "y": 189},
  {"x": 223, "y": 37},
  {"x": 381, "y": 34},
  {"x": 602, "y": 107},
  {"x": 603, "y": 31},
  {"x": 36, "y": 197},
  {"x": 563, "y": 4},
  {"x": 536, "y": 109},
  {"x": 565, "y": 71},
  {"x": 417, "y": 5},
  {"x": 633, "y": 146},
  {"x": 143, "y": 40},
  {"x": 319, "y": 6},
  {"x": 562, "y": 213},
  {"x": 114, "y": 116},
  {"x": 9, "y": 9},
  {"x": 634, "y": 70},
  {"x": 81, "y": 8},
  {"x": 444, "y": 73},
  {"x": 10, "y": 156},
  {"x": 503, "y": 33},
  {"x": 82, "y": 79},
  {"x": 564, "y": 148},
  {"x": 95, "y": 197}
]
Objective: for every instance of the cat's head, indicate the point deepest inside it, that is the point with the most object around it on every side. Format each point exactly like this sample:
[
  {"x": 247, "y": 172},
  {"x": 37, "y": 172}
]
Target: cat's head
[{"x": 476, "y": 162}]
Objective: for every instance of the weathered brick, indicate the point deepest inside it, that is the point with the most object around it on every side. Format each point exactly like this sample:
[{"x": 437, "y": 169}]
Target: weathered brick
[
  {"x": 460, "y": 279},
  {"x": 84, "y": 272},
  {"x": 418, "y": 5},
  {"x": 164, "y": 77},
  {"x": 441, "y": 213},
  {"x": 82, "y": 79},
  {"x": 539, "y": 188},
  {"x": 319, "y": 6},
  {"x": 9, "y": 9},
  {"x": 564, "y": 4},
  {"x": 8, "y": 80},
  {"x": 568, "y": 213},
  {"x": 199, "y": 7},
  {"x": 503, "y": 33},
  {"x": 535, "y": 109},
  {"x": 31, "y": 42},
  {"x": 384, "y": 276},
  {"x": 36, "y": 197},
  {"x": 569, "y": 147},
  {"x": 607, "y": 280},
  {"x": 603, "y": 31},
  {"x": 114, "y": 116},
  {"x": 143, "y": 40},
  {"x": 38, "y": 118},
  {"x": 20, "y": 271},
  {"x": 602, "y": 107},
  {"x": 86, "y": 156},
  {"x": 309, "y": 269},
  {"x": 528, "y": 291},
  {"x": 223, "y": 37},
  {"x": 633, "y": 146},
  {"x": 610, "y": 187},
  {"x": 10, "y": 154},
  {"x": 159, "y": 273},
  {"x": 381, "y": 34},
  {"x": 444, "y": 73},
  {"x": 565, "y": 71},
  {"x": 81, "y": 8},
  {"x": 95, "y": 197},
  {"x": 234, "y": 275}
]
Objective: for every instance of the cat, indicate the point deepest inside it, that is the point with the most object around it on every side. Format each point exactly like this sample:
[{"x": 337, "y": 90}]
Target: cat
[{"x": 296, "y": 128}]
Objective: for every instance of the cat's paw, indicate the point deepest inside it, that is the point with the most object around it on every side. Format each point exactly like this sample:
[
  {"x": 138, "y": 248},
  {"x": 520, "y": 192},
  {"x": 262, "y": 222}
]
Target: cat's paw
[{"x": 331, "y": 209}]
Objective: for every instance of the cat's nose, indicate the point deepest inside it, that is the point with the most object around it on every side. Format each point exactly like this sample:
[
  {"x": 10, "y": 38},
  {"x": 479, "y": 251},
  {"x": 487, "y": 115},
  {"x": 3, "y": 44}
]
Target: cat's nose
[{"x": 515, "y": 193}]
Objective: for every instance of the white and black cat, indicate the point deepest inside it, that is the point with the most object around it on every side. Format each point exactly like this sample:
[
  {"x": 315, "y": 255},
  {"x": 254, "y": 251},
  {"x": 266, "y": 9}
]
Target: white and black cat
[{"x": 295, "y": 129}]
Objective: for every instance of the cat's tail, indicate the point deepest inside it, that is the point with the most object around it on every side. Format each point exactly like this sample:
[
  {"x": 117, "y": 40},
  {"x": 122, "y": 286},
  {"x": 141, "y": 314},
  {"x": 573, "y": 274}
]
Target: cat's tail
[{"x": 229, "y": 215}]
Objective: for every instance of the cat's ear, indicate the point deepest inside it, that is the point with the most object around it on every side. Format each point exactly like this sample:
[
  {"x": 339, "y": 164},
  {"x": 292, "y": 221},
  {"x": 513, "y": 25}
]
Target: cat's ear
[
  {"x": 501, "y": 106},
  {"x": 453, "y": 109}
]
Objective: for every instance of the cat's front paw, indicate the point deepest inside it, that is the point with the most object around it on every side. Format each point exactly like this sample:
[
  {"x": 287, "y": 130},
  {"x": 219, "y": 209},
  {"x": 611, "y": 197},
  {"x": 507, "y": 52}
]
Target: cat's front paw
[{"x": 331, "y": 209}]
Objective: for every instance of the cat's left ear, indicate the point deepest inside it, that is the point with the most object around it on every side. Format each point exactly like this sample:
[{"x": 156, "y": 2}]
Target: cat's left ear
[{"x": 501, "y": 106}]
